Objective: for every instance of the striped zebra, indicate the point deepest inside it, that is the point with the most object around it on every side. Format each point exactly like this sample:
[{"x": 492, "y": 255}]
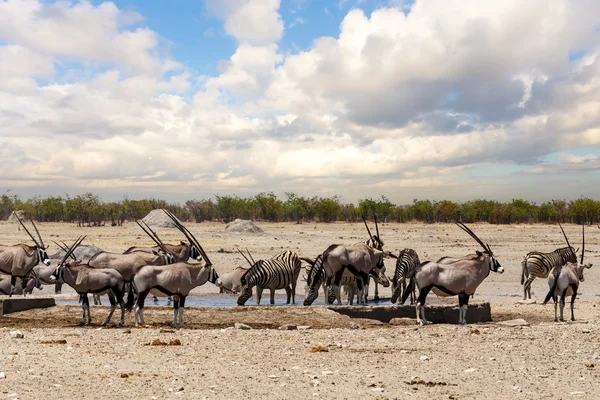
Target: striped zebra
[
  {"x": 406, "y": 264},
  {"x": 538, "y": 265},
  {"x": 279, "y": 272}
]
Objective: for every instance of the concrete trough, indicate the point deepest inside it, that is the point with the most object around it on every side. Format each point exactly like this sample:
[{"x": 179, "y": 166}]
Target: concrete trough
[
  {"x": 477, "y": 312},
  {"x": 16, "y": 304}
]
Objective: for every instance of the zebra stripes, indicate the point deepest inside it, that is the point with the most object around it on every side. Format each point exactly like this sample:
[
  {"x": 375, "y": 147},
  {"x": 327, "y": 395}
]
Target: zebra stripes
[
  {"x": 538, "y": 265},
  {"x": 279, "y": 272},
  {"x": 406, "y": 264}
]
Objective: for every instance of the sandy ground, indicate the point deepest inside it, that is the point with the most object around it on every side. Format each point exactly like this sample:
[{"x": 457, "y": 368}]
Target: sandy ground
[{"x": 364, "y": 358}]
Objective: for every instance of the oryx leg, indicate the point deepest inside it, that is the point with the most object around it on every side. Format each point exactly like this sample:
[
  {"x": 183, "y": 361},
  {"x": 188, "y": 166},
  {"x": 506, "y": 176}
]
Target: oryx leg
[
  {"x": 463, "y": 305},
  {"x": 169, "y": 300},
  {"x": 113, "y": 305},
  {"x": 120, "y": 296},
  {"x": 376, "y": 297},
  {"x": 57, "y": 288},
  {"x": 555, "y": 298},
  {"x": 337, "y": 280},
  {"x": 562, "y": 304},
  {"x": 138, "y": 310},
  {"x": 13, "y": 281},
  {"x": 181, "y": 308},
  {"x": 85, "y": 306},
  {"x": 420, "y": 305},
  {"x": 97, "y": 301},
  {"x": 175, "y": 310},
  {"x": 573, "y": 302}
]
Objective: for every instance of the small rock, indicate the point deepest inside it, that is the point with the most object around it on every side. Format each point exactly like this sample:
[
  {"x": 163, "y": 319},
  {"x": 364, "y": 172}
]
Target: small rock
[
  {"x": 514, "y": 322},
  {"x": 273, "y": 377},
  {"x": 433, "y": 334},
  {"x": 17, "y": 335},
  {"x": 596, "y": 357},
  {"x": 327, "y": 372},
  {"x": 378, "y": 390},
  {"x": 577, "y": 393},
  {"x": 424, "y": 358},
  {"x": 180, "y": 389},
  {"x": 402, "y": 321},
  {"x": 288, "y": 327},
  {"x": 163, "y": 330},
  {"x": 126, "y": 331},
  {"x": 303, "y": 327},
  {"x": 2, "y": 375},
  {"x": 239, "y": 325},
  {"x": 469, "y": 370},
  {"x": 516, "y": 388}
]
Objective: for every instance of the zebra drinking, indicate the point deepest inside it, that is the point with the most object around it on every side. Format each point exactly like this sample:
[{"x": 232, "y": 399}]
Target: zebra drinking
[{"x": 279, "y": 272}]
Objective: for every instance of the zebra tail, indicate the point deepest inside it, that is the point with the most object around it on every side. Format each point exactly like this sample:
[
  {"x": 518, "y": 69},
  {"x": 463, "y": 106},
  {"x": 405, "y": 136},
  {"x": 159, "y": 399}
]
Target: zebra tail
[
  {"x": 551, "y": 291},
  {"x": 130, "y": 297}
]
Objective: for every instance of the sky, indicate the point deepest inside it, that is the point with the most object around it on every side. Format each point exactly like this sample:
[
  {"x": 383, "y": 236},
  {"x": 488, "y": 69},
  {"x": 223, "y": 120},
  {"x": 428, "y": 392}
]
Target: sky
[{"x": 179, "y": 100}]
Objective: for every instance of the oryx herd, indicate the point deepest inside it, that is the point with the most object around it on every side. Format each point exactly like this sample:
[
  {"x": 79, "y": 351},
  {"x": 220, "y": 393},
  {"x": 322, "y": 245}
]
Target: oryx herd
[{"x": 174, "y": 270}]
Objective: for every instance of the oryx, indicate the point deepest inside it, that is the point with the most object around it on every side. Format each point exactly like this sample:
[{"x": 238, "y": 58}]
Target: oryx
[
  {"x": 564, "y": 281},
  {"x": 18, "y": 260},
  {"x": 379, "y": 277},
  {"x": 359, "y": 259},
  {"x": 175, "y": 280},
  {"x": 128, "y": 264},
  {"x": 84, "y": 279},
  {"x": 453, "y": 277}
]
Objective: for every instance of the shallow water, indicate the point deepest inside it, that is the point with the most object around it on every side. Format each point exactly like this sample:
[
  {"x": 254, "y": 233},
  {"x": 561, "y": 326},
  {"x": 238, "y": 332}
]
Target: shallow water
[{"x": 217, "y": 300}]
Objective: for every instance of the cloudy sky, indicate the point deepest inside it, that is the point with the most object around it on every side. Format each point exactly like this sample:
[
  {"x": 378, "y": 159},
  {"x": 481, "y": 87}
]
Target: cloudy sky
[{"x": 186, "y": 99}]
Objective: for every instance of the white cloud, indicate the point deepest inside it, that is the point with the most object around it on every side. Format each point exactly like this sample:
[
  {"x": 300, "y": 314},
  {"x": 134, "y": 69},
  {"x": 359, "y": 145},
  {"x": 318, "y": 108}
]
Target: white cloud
[
  {"x": 255, "y": 22},
  {"x": 397, "y": 101}
]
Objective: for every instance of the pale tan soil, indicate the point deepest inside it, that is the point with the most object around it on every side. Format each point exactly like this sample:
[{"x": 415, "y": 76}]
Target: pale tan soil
[{"x": 545, "y": 360}]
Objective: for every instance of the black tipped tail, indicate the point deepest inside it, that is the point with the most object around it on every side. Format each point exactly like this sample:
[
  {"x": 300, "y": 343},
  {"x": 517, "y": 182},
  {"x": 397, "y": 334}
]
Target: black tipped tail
[
  {"x": 408, "y": 290},
  {"x": 130, "y": 297},
  {"x": 551, "y": 291}
]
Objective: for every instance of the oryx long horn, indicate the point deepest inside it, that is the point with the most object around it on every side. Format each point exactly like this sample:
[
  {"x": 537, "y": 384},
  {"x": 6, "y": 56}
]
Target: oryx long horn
[
  {"x": 64, "y": 247},
  {"x": 243, "y": 255},
  {"x": 583, "y": 245},
  {"x": 252, "y": 258},
  {"x": 27, "y": 230},
  {"x": 149, "y": 234},
  {"x": 38, "y": 233},
  {"x": 189, "y": 235},
  {"x": 71, "y": 249},
  {"x": 474, "y": 236},
  {"x": 159, "y": 242},
  {"x": 376, "y": 226},
  {"x": 567, "y": 239},
  {"x": 368, "y": 230}
]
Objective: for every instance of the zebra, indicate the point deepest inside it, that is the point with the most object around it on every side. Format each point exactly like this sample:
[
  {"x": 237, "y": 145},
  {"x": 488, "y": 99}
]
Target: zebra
[
  {"x": 406, "y": 265},
  {"x": 538, "y": 265},
  {"x": 279, "y": 272}
]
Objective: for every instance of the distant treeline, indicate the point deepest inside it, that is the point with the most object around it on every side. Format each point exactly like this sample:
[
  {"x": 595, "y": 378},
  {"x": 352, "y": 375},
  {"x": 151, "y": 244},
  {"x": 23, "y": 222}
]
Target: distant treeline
[{"x": 89, "y": 209}]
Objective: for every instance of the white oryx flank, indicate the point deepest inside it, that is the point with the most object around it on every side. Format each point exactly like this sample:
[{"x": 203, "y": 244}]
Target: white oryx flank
[
  {"x": 564, "y": 281},
  {"x": 232, "y": 281},
  {"x": 278, "y": 272},
  {"x": 18, "y": 260},
  {"x": 453, "y": 277},
  {"x": 176, "y": 280},
  {"x": 84, "y": 279}
]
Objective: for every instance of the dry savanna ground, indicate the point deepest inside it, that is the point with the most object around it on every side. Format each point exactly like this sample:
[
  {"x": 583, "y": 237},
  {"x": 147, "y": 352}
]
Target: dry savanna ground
[{"x": 337, "y": 357}]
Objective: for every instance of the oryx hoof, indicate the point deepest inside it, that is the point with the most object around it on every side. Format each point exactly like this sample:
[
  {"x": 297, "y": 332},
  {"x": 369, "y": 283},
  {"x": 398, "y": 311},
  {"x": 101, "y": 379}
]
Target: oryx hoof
[
  {"x": 423, "y": 323},
  {"x": 572, "y": 319},
  {"x": 82, "y": 323},
  {"x": 562, "y": 320},
  {"x": 462, "y": 322},
  {"x": 105, "y": 323}
]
